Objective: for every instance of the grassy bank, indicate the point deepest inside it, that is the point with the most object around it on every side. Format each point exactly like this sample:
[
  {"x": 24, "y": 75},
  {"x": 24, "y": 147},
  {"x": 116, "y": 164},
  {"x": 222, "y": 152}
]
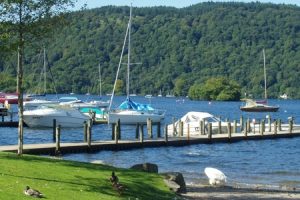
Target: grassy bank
[{"x": 66, "y": 180}]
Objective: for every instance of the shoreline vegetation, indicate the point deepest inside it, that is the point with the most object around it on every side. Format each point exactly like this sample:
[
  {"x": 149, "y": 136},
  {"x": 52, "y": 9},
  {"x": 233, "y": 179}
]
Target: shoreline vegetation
[{"x": 63, "y": 179}]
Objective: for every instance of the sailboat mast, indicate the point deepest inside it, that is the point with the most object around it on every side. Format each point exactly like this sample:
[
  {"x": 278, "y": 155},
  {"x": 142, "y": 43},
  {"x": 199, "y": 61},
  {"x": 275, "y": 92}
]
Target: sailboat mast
[
  {"x": 265, "y": 76},
  {"x": 100, "y": 89},
  {"x": 45, "y": 75},
  {"x": 128, "y": 62}
]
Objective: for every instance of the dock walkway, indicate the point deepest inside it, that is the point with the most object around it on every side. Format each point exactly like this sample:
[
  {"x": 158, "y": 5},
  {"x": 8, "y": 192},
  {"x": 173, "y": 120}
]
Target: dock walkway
[{"x": 115, "y": 145}]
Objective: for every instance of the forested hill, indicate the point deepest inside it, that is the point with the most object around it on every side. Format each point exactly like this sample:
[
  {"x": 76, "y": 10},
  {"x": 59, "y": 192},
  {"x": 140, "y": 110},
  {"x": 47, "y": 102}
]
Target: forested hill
[{"x": 177, "y": 48}]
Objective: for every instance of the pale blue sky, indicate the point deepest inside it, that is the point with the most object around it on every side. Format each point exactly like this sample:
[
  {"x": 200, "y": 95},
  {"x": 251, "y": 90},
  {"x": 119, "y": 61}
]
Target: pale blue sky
[{"x": 173, "y": 3}]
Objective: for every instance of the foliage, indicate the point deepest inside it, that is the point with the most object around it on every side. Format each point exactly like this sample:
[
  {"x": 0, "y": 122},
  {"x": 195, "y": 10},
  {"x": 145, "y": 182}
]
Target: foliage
[
  {"x": 220, "y": 89},
  {"x": 177, "y": 48},
  {"x": 65, "y": 180}
]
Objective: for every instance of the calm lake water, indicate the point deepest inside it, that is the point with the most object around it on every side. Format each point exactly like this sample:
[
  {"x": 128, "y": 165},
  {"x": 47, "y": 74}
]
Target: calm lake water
[{"x": 266, "y": 162}]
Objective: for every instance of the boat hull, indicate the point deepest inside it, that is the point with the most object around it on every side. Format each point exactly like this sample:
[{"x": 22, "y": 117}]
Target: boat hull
[
  {"x": 134, "y": 117},
  {"x": 44, "y": 118},
  {"x": 260, "y": 109}
]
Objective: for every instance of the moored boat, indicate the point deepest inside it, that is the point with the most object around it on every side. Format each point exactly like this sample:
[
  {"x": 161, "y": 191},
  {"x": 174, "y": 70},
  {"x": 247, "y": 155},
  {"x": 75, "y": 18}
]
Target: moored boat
[{"x": 65, "y": 116}]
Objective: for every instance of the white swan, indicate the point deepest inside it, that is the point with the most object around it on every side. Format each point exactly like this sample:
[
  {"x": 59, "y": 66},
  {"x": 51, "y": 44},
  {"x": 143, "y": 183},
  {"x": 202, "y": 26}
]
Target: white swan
[{"x": 215, "y": 176}]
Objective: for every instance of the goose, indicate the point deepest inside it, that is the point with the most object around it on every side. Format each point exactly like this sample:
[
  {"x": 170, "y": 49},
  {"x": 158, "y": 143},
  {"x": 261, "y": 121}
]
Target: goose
[{"x": 32, "y": 192}]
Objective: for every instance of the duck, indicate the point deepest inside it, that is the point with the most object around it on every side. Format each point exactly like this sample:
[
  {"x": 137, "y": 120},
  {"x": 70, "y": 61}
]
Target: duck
[{"x": 32, "y": 192}]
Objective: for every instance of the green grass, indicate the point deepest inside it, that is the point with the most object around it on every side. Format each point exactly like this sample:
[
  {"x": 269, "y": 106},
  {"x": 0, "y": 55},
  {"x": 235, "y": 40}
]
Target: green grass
[{"x": 67, "y": 180}]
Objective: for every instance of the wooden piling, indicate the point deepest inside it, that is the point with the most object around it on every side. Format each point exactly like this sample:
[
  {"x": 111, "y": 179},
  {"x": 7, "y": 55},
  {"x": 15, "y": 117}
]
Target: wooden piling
[
  {"x": 269, "y": 123},
  {"x": 246, "y": 130},
  {"x": 201, "y": 127},
  {"x": 279, "y": 125},
  {"x": 117, "y": 134},
  {"x": 166, "y": 133},
  {"x": 85, "y": 127},
  {"x": 290, "y": 126},
  {"x": 113, "y": 129},
  {"x": 57, "y": 140},
  {"x": 118, "y": 129},
  {"x": 137, "y": 130},
  {"x": 248, "y": 125},
  {"x": 209, "y": 134},
  {"x": 158, "y": 130},
  {"x": 204, "y": 127},
  {"x": 262, "y": 127},
  {"x": 275, "y": 127},
  {"x": 219, "y": 127},
  {"x": 229, "y": 130},
  {"x": 188, "y": 132},
  {"x": 180, "y": 128},
  {"x": 174, "y": 127},
  {"x": 234, "y": 126},
  {"x": 89, "y": 134},
  {"x": 141, "y": 133},
  {"x": 54, "y": 129},
  {"x": 241, "y": 123},
  {"x": 149, "y": 128}
]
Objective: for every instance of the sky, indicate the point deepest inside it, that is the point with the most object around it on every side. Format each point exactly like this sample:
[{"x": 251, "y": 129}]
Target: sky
[{"x": 173, "y": 3}]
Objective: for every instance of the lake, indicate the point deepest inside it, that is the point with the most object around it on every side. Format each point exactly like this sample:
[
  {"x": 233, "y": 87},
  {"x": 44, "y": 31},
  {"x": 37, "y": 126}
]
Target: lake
[{"x": 267, "y": 162}]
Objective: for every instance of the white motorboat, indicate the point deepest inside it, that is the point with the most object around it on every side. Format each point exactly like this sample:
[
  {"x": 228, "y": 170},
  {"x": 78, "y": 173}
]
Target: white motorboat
[
  {"x": 31, "y": 105},
  {"x": 193, "y": 119},
  {"x": 65, "y": 116},
  {"x": 130, "y": 112}
]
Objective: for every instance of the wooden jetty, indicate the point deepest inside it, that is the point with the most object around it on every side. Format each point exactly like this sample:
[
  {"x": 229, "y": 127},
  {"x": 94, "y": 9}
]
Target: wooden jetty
[{"x": 140, "y": 141}]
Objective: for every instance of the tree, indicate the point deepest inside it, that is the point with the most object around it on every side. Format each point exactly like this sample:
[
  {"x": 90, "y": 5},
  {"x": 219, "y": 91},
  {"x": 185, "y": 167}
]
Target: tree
[
  {"x": 26, "y": 21},
  {"x": 220, "y": 89}
]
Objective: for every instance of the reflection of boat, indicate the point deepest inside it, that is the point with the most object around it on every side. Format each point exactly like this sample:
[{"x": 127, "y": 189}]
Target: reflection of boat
[
  {"x": 65, "y": 116},
  {"x": 259, "y": 106},
  {"x": 193, "y": 119},
  {"x": 130, "y": 112},
  {"x": 252, "y": 106}
]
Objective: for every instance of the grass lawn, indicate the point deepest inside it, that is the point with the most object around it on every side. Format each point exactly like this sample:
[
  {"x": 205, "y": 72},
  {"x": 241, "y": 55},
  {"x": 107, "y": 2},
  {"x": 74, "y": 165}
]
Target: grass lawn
[{"x": 67, "y": 180}]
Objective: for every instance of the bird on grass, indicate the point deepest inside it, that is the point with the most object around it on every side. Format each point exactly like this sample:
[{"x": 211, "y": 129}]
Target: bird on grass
[{"x": 32, "y": 192}]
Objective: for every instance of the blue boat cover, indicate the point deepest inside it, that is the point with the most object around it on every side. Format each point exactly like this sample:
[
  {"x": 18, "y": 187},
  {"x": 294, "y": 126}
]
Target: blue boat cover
[{"x": 131, "y": 105}]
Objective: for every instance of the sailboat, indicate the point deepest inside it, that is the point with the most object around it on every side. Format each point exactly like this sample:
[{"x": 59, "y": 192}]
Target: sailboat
[
  {"x": 130, "y": 112},
  {"x": 259, "y": 106}
]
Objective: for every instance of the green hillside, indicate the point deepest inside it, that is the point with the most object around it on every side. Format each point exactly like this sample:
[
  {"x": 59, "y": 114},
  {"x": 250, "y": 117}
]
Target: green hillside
[{"x": 177, "y": 48}]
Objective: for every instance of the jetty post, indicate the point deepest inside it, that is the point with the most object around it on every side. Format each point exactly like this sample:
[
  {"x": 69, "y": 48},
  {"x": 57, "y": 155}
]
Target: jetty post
[
  {"x": 57, "y": 140},
  {"x": 245, "y": 130},
  {"x": 248, "y": 127},
  {"x": 141, "y": 133},
  {"x": 174, "y": 127},
  {"x": 290, "y": 126},
  {"x": 89, "y": 134},
  {"x": 113, "y": 129},
  {"x": 118, "y": 129},
  {"x": 209, "y": 134},
  {"x": 201, "y": 127},
  {"x": 219, "y": 127},
  {"x": 229, "y": 130},
  {"x": 149, "y": 128},
  {"x": 166, "y": 133},
  {"x": 85, "y": 127},
  {"x": 241, "y": 123},
  {"x": 188, "y": 132},
  {"x": 137, "y": 130},
  {"x": 275, "y": 127},
  {"x": 279, "y": 125},
  {"x": 234, "y": 126},
  {"x": 180, "y": 128},
  {"x": 269, "y": 123},
  {"x": 262, "y": 127},
  {"x": 54, "y": 129},
  {"x": 158, "y": 130}
]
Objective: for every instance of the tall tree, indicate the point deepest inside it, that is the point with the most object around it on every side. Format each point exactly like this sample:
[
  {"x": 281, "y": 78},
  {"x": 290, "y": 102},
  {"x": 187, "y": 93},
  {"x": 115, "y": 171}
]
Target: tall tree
[{"x": 25, "y": 21}]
